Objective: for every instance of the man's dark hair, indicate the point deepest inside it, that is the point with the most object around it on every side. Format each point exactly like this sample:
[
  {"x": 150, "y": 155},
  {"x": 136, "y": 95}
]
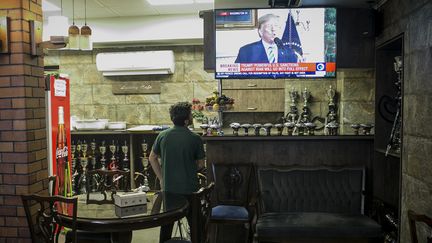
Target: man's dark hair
[{"x": 179, "y": 112}]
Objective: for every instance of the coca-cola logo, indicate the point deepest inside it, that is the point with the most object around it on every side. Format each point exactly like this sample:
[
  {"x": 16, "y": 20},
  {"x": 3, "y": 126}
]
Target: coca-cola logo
[{"x": 61, "y": 153}]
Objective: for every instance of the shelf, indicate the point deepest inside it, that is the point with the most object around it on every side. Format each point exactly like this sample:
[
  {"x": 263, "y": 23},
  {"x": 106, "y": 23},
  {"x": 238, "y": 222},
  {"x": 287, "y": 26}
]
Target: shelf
[
  {"x": 392, "y": 154},
  {"x": 285, "y": 138},
  {"x": 96, "y": 132}
]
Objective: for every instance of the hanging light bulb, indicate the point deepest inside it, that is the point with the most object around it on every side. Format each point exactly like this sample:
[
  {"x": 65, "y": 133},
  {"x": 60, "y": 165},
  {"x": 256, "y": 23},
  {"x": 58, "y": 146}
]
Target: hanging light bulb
[
  {"x": 85, "y": 38},
  {"x": 74, "y": 31}
]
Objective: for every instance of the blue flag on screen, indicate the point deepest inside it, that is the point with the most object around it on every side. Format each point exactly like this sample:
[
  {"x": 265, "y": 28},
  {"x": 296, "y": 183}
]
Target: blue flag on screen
[{"x": 290, "y": 36}]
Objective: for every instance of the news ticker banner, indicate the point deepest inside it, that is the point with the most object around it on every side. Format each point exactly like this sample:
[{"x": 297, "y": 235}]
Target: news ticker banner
[{"x": 304, "y": 67}]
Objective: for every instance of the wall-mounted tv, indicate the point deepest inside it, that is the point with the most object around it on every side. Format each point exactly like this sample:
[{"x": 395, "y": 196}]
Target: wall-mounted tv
[{"x": 275, "y": 43}]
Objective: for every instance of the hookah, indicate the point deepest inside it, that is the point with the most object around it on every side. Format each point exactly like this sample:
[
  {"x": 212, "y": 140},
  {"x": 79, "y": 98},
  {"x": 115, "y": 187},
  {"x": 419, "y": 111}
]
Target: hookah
[
  {"x": 235, "y": 126},
  {"x": 113, "y": 164},
  {"x": 331, "y": 125},
  {"x": 304, "y": 116},
  {"x": 267, "y": 127},
  {"x": 74, "y": 168},
  {"x": 145, "y": 162},
  {"x": 125, "y": 149},
  {"x": 279, "y": 128},
  {"x": 204, "y": 128},
  {"x": 292, "y": 115},
  {"x": 395, "y": 136},
  {"x": 291, "y": 118},
  {"x": 257, "y": 128},
  {"x": 93, "y": 154},
  {"x": 356, "y": 128},
  {"x": 102, "y": 150},
  {"x": 84, "y": 163},
  {"x": 246, "y": 127}
]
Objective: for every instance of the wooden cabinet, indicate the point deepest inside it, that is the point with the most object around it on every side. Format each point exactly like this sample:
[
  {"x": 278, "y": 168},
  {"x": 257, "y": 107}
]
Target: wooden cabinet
[
  {"x": 255, "y": 95},
  {"x": 355, "y": 38}
]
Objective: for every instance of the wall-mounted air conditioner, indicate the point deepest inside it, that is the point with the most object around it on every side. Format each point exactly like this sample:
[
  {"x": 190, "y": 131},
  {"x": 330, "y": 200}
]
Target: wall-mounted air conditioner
[{"x": 135, "y": 63}]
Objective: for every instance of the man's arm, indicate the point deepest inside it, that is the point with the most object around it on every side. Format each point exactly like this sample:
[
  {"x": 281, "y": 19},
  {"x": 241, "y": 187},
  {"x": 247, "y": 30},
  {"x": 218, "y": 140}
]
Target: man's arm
[{"x": 155, "y": 165}]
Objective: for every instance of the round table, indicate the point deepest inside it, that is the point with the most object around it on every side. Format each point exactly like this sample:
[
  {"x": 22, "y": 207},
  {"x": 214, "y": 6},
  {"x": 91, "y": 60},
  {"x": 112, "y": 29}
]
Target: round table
[{"x": 162, "y": 208}]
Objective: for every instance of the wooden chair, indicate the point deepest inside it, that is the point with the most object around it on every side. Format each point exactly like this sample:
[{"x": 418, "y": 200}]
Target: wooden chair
[
  {"x": 52, "y": 180},
  {"x": 108, "y": 183},
  {"x": 233, "y": 196},
  {"x": 412, "y": 219},
  {"x": 42, "y": 216},
  {"x": 201, "y": 210}
]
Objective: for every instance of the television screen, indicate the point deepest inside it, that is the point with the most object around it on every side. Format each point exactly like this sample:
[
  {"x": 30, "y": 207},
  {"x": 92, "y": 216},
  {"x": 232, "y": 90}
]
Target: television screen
[{"x": 275, "y": 43}]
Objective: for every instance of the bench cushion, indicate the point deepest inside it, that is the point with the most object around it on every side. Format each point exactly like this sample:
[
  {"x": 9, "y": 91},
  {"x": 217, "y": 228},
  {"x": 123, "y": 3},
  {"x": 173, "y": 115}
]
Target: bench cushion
[
  {"x": 329, "y": 190},
  {"x": 316, "y": 225}
]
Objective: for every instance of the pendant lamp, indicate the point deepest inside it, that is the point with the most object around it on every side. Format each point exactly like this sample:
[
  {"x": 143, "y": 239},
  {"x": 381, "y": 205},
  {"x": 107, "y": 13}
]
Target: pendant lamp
[
  {"x": 86, "y": 32},
  {"x": 74, "y": 31}
]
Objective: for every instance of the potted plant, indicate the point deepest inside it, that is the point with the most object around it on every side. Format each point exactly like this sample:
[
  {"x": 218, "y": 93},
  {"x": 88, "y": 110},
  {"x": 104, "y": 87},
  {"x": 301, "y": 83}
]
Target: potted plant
[{"x": 197, "y": 113}]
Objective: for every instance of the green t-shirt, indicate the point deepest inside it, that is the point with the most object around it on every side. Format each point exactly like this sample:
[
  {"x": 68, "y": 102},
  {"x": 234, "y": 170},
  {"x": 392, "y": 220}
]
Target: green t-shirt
[{"x": 179, "y": 149}]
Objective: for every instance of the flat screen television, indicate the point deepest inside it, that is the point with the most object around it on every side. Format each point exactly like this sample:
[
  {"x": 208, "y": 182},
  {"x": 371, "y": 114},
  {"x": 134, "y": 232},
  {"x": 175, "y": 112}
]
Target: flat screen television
[{"x": 275, "y": 43}]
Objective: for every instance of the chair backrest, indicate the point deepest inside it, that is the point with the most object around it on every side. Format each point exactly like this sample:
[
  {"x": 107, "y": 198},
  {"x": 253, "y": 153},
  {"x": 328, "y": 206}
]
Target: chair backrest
[
  {"x": 233, "y": 183},
  {"x": 412, "y": 219},
  {"x": 52, "y": 180},
  {"x": 42, "y": 216},
  {"x": 108, "y": 182},
  {"x": 201, "y": 210},
  {"x": 322, "y": 189}
]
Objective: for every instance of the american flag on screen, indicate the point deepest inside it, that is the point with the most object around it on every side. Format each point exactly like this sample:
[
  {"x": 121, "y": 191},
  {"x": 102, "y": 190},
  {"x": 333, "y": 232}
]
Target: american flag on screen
[{"x": 291, "y": 37}]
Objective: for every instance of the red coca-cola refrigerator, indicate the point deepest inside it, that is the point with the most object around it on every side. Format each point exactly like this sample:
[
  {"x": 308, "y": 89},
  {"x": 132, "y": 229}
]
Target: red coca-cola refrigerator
[{"x": 59, "y": 136}]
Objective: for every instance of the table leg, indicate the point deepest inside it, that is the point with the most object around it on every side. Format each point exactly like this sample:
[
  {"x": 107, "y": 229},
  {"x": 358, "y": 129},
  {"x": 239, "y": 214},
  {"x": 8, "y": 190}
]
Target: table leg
[{"x": 121, "y": 237}]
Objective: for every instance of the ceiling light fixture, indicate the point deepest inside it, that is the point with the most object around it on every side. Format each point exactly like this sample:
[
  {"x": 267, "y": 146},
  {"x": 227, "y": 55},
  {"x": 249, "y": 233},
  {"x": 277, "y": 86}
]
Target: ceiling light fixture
[
  {"x": 169, "y": 2},
  {"x": 86, "y": 32},
  {"x": 74, "y": 31},
  {"x": 57, "y": 27}
]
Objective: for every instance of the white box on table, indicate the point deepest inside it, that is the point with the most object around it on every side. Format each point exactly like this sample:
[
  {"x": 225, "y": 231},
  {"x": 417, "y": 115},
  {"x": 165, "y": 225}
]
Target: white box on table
[
  {"x": 130, "y": 211},
  {"x": 130, "y": 199}
]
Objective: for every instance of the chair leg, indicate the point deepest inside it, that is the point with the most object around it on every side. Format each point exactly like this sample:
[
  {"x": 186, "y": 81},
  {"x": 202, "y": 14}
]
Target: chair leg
[
  {"x": 247, "y": 226},
  {"x": 216, "y": 234}
]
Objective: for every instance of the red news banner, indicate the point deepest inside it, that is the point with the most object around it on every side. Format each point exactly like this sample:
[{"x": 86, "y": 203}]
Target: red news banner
[{"x": 276, "y": 67}]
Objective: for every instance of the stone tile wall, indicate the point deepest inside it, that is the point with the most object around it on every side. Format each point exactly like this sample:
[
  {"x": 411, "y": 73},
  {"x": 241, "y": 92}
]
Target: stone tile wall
[
  {"x": 413, "y": 19},
  {"x": 91, "y": 95}
]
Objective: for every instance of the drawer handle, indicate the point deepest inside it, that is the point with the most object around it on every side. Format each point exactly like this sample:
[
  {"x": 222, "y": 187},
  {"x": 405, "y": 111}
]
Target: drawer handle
[
  {"x": 252, "y": 85},
  {"x": 252, "y": 108}
]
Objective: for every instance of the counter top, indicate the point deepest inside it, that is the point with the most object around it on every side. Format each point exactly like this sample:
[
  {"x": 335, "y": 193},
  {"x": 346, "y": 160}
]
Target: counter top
[
  {"x": 232, "y": 137},
  {"x": 276, "y": 138}
]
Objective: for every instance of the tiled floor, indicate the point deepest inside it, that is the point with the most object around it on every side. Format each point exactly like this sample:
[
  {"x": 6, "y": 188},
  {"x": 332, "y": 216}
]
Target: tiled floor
[
  {"x": 151, "y": 235},
  {"x": 146, "y": 236}
]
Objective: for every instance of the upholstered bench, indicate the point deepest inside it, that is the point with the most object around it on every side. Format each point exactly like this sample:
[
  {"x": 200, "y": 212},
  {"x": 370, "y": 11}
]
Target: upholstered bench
[{"x": 313, "y": 203}]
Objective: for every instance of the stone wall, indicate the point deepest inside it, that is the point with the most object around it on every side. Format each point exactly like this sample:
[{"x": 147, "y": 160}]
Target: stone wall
[
  {"x": 413, "y": 19},
  {"x": 92, "y": 97},
  {"x": 91, "y": 93}
]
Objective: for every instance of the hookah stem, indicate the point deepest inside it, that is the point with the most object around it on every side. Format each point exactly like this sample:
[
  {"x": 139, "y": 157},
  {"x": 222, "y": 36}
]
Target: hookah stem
[
  {"x": 68, "y": 179},
  {"x": 393, "y": 131}
]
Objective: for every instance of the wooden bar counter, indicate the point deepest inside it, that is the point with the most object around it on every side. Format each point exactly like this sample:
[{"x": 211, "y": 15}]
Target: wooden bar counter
[{"x": 291, "y": 150}]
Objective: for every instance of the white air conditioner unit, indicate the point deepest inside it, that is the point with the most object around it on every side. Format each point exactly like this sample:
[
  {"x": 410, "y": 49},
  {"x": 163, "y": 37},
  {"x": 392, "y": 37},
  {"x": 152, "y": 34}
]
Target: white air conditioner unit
[{"x": 135, "y": 63}]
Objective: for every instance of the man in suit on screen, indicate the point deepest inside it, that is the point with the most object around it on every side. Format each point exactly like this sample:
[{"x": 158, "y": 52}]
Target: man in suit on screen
[{"x": 270, "y": 49}]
